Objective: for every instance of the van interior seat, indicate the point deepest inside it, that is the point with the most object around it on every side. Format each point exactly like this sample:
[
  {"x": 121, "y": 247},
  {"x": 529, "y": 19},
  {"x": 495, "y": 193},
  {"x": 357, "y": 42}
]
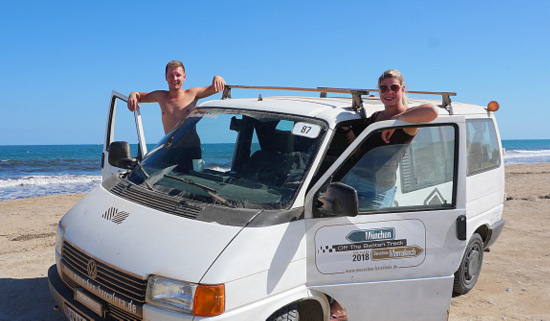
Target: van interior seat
[{"x": 272, "y": 164}]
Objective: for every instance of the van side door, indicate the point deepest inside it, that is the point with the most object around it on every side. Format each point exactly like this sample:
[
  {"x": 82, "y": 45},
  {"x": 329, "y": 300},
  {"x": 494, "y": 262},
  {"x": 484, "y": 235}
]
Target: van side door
[
  {"x": 120, "y": 131},
  {"x": 395, "y": 257}
]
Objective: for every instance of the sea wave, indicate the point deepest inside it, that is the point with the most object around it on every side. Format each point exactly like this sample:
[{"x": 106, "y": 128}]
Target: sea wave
[
  {"x": 41, "y": 185},
  {"x": 32, "y": 167},
  {"x": 523, "y": 156},
  {"x": 41, "y": 180}
]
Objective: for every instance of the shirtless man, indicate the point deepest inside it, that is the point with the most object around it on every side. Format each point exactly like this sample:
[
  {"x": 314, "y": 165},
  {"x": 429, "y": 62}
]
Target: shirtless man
[{"x": 176, "y": 102}]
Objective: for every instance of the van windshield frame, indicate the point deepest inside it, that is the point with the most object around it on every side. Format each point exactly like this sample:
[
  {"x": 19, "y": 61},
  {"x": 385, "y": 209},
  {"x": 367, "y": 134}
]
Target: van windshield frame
[{"x": 235, "y": 158}]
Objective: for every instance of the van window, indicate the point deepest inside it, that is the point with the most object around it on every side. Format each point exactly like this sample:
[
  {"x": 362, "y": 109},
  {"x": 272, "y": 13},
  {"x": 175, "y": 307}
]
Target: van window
[
  {"x": 416, "y": 174},
  {"x": 482, "y": 143},
  {"x": 124, "y": 129}
]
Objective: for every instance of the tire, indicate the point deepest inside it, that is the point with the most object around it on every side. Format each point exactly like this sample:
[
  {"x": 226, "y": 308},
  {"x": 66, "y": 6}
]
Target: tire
[
  {"x": 468, "y": 272},
  {"x": 288, "y": 313}
]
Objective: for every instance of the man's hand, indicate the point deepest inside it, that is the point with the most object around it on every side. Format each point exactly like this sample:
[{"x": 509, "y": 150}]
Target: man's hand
[
  {"x": 219, "y": 83},
  {"x": 133, "y": 101}
]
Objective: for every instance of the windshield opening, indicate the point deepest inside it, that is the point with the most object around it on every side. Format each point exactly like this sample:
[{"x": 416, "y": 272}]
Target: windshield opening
[{"x": 234, "y": 158}]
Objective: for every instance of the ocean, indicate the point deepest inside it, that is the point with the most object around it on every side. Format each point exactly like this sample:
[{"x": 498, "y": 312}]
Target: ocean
[{"x": 35, "y": 170}]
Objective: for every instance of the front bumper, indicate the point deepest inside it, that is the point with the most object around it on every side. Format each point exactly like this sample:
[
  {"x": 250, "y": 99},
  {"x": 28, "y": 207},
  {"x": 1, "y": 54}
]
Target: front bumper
[{"x": 64, "y": 297}]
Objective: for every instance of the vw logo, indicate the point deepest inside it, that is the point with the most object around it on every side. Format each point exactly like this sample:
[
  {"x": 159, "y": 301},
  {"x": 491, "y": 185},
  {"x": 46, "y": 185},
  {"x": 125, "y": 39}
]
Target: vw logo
[{"x": 91, "y": 268}]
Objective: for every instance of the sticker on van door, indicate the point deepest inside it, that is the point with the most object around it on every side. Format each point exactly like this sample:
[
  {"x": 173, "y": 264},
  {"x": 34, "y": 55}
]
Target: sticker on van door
[{"x": 370, "y": 247}]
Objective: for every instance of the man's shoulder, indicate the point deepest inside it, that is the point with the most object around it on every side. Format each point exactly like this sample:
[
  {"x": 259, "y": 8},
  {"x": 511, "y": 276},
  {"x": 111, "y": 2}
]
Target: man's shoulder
[
  {"x": 160, "y": 94},
  {"x": 192, "y": 90},
  {"x": 192, "y": 93}
]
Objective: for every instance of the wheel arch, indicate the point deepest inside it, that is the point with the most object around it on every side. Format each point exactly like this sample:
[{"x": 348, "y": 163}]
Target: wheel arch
[
  {"x": 312, "y": 308},
  {"x": 483, "y": 231}
]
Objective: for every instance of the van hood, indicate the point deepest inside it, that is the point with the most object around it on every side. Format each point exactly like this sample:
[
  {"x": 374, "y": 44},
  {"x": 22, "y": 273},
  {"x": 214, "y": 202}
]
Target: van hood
[{"x": 143, "y": 241}]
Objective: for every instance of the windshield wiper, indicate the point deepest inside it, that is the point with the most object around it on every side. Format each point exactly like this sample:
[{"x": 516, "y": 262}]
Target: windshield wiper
[
  {"x": 211, "y": 191},
  {"x": 146, "y": 176}
]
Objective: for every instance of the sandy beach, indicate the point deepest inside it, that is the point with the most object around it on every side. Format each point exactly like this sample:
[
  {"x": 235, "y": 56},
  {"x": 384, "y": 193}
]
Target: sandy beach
[{"x": 514, "y": 282}]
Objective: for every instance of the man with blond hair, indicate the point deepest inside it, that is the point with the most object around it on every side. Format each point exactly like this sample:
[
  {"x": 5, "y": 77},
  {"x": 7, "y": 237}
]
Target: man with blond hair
[{"x": 176, "y": 102}]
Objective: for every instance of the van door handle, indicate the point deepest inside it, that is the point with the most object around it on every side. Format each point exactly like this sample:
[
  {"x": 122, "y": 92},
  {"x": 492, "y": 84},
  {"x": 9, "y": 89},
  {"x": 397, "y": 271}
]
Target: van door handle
[{"x": 461, "y": 227}]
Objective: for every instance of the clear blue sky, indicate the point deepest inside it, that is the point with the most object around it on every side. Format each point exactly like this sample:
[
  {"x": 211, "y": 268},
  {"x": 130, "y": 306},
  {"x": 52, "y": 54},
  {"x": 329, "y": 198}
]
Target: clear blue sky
[{"x": 60, "y": 60}]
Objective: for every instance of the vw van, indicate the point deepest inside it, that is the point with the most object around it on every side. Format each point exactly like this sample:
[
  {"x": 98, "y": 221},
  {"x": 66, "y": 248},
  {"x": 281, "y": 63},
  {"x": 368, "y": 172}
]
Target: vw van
[{"x": 246, "y": 211}]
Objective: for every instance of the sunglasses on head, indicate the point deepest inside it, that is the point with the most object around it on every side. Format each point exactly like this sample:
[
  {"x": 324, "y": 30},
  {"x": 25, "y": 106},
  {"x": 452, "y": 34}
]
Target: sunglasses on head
[{"x": 385, "y": 88}]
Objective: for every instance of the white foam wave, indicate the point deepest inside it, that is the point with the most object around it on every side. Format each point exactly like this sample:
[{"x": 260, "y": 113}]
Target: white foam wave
[
  {"x": 32, "y": 186},
  {"x": 528, "y": 151},
  {"x": 519, "y": 156},
  {"x": 41, "y": 180}
]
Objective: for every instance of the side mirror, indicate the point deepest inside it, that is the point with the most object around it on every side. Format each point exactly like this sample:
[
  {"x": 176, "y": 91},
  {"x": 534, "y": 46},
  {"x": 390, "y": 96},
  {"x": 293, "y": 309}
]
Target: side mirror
[
  {"x": 338, "y": 200},
  {"x": 119, "y": 155}
]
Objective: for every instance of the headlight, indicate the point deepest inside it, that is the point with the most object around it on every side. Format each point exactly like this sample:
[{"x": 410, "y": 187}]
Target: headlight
[
  {"x": 198, "y": 299},
  {"x": 59, "y": 238}
]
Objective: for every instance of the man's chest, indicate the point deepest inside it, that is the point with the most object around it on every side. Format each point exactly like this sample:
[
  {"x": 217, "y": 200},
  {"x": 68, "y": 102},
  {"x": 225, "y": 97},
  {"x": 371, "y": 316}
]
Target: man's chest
[{"x": 178, "y": 106}]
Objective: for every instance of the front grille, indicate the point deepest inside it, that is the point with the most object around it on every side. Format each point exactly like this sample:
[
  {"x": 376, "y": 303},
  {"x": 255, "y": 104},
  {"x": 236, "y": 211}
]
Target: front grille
[
  {"x": 158, "y": 201},
  {"x": 109, "y": 279}
]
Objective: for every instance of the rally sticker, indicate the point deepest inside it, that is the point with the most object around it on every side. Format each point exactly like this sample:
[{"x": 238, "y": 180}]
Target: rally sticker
[
  {"x": 306, "y": 129},
  {"x": 370, "y": 247}
]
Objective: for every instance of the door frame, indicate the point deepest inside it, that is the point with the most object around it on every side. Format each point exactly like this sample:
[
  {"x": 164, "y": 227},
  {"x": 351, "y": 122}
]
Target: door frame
[{"x": 107, "y": 169}]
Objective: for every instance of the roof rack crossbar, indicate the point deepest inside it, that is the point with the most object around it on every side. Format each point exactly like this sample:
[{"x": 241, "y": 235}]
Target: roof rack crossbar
[
  {"x": 355, "y": 92},
  {"x": 227, "y": 89}
]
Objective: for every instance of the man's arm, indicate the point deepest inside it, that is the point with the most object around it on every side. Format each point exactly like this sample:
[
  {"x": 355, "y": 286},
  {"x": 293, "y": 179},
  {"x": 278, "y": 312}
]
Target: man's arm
[
  {"x": 137, "y": 97},
  {"x": 218, "y": 83}
]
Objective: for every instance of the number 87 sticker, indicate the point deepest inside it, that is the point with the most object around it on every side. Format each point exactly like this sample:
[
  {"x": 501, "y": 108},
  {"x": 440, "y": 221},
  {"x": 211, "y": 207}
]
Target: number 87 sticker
[{"x": 306, "y": 130}]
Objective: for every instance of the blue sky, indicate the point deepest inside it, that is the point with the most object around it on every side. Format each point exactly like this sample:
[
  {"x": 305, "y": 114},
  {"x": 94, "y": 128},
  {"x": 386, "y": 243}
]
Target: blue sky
[{"x": 59, "y": 60}]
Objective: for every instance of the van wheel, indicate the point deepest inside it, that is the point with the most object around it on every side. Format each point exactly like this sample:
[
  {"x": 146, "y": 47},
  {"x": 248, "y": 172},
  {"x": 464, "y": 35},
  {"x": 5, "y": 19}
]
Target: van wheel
[
  {"x": 288, "y": 313},
  {"x": 467, "y": 274}
]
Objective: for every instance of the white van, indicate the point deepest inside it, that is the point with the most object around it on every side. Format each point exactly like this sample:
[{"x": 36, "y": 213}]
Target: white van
[{"x": 246, "y": 211}]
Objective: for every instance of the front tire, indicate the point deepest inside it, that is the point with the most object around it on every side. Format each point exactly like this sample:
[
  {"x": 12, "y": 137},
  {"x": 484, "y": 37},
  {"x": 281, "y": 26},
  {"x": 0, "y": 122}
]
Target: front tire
[
  {"x": 288, "y": 313},
  {"x": 468, "y": 272}
]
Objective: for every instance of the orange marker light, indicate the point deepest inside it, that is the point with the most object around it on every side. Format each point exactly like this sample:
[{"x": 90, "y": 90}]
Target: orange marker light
[
  {"x": 493, "y": 106},
  {"x": 209, "y": 300}
]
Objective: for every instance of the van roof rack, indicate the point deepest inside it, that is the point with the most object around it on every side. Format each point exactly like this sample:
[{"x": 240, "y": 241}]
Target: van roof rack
[{"x": 356, "y": 93}]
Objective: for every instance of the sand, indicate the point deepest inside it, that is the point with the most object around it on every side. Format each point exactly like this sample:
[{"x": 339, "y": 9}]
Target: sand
[{"x": 514, "y": 282}]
